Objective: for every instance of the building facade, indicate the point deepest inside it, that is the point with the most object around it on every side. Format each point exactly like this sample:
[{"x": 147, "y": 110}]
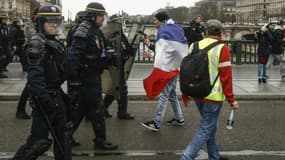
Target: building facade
[
  {"x": 223, "y": 10},
  {"x": 227, "y": 11},
  {"x": 49, "y": 2},
  {"x": 252, "y": 11},
  {"x": 276, "y": 10},
  {"x": 24, "y": 8},
  {"x": 15, "y": 8}
]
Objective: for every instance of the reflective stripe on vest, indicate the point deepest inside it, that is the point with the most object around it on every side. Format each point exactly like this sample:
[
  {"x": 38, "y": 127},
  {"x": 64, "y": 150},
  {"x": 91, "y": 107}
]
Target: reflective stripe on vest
[{"x": 214, "y": 58}]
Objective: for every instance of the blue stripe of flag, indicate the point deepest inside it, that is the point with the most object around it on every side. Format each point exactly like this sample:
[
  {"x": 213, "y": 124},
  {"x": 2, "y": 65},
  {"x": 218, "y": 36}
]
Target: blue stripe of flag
[{"x": 171, "y": 32}]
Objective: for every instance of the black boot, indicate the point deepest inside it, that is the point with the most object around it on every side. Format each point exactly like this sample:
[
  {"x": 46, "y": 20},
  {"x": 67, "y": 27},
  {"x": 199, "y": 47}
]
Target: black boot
[
  {"x": 125, "y": 116},
  {"x": 264, "y": 80},
  {"x": 22, "y": 115},
  {"x": 74, "y": 143},
  {"x": 108, "y": 99},
  {"x": 107, "y": 114},
  {"x": 2, "y": 75},
  {"x": 122, "y": 108},
  {"x": 105, "y": 145}
]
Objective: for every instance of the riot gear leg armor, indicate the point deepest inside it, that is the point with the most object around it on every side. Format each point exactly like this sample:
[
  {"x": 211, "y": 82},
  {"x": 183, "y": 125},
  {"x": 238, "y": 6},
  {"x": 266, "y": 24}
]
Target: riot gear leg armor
[{"x": 34, "y": 151}]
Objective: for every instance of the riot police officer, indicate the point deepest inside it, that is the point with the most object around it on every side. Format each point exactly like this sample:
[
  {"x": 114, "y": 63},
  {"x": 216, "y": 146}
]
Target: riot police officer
[
  {"x": 78, "y": 19},
  {"x": 126, "y": 51},
  {"x": 87, "y": 56},
  {"x": 17, "y": 37},
  {"x": 29, "y": 31},
  {"x": 47, "y": 71},
  {"x": 5, "y": 54}
]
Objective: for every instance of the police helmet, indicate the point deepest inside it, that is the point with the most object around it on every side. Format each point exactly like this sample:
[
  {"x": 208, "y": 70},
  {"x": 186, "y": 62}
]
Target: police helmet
[
  {"x": 49, "y": 14},
  {"x": 79, "y": 16},
  {"x": 116, "y": 18},
  {"x": 4, "y": 16},
  {"x": 95, "y": 8},
  {"x": 17, "y": 21}
]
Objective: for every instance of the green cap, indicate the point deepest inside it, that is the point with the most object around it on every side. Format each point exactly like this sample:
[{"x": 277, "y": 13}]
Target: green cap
[{"x": 214, "y": 26}]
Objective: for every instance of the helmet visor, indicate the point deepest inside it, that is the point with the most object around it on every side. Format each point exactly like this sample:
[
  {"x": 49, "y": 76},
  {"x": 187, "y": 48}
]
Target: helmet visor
[{"x": 54, "y": 25}]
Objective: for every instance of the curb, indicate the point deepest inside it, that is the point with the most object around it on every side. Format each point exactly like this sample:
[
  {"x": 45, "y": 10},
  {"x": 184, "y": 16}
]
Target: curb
[{"x": 247, "y": 97}]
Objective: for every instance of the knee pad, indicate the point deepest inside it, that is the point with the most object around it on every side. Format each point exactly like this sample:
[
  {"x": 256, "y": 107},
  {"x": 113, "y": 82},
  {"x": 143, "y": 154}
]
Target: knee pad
[{"x": 37, "y": 149}]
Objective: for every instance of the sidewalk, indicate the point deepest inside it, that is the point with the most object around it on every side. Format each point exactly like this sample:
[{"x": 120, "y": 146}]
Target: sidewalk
[{"x": 246, "y": 86}]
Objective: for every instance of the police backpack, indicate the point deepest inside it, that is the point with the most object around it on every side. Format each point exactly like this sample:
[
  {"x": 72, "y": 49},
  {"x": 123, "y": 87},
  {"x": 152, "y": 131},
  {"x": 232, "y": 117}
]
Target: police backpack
[{"x": 194, "y": 72}]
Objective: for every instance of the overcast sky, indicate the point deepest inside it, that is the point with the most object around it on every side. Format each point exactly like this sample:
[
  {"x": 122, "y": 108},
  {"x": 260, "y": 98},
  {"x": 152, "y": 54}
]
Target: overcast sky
[{"x": 132, "y": 7}]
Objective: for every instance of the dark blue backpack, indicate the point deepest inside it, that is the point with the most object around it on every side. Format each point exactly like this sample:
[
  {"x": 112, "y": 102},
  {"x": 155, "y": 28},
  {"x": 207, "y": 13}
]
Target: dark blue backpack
[{"x": 194, "y": 72}]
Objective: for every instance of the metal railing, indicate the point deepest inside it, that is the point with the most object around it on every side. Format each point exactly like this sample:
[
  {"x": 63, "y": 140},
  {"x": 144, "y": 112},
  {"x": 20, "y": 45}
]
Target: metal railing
[{"x": 242, "y": 52}]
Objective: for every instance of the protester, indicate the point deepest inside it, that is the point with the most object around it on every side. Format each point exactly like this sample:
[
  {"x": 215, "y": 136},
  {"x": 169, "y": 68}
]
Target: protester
[
  {"x": 210, "y": 106},
  {"x": 264, "y": 38},
  {"x": 277, "y": 50},
  {"x": 170, "y": 49},
  {"x": 195, "y": 31}
]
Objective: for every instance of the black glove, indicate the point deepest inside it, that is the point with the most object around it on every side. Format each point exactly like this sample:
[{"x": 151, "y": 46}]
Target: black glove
[{"x": 74, "y": 93}]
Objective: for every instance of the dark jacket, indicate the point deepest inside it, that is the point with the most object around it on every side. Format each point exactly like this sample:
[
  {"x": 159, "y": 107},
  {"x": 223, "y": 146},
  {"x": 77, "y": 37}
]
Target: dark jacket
[
  {"x": 263, "y": 41},
  {"x": 87, "y": 51},
  {"x": 16, "y": 35},
  {"x": 277, "y": 42},
  {"x": 46, "y": 57},
  {"x": 4, "y": 34},
  {"x": 194, "y": 32}
]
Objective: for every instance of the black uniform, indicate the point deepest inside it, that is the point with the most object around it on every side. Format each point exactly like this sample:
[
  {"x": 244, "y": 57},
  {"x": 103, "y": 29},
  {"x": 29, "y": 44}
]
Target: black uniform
[
  {"x": 194, "y": 32},
  {"x": 21, "y": 107},
  {"x": 79, "y": 18},
  {"x": 120, "y": 60},
  {"x": 88, "y": 58},
  {"x": 46, "y": 73},
  {"x": 5, "y": 50},
  {"x": 17, "y": 37}
]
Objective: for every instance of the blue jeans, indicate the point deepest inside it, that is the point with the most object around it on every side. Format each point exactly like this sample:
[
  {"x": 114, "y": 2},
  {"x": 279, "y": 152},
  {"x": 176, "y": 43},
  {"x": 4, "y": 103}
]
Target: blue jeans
[
  {"x": 206, "y": 133},
  {"x": 168, "y": 93},
  {"x": 262, "y": 71}
]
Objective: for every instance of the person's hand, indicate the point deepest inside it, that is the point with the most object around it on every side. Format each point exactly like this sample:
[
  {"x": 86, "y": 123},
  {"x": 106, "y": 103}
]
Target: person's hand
[
  {"x": 234, "y": 105},
  {"x": 146, "y": 41},
  {"x": 14, "y": 48},
  {"x": 185, "y": 100},
  {"x": 147, "y": 54}
]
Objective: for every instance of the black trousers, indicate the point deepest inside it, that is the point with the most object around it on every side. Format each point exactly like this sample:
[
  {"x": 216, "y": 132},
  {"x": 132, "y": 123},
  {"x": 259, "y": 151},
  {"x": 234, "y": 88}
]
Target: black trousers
[
  {"x": 21, "y": 107},
  {"x": 40, "y": 129},
  {"x": 91, "y": 105},
  {"x": 123, "y": 98},
  {"x": 6, "y": 52},
  {"x": 23, "y": 57}
]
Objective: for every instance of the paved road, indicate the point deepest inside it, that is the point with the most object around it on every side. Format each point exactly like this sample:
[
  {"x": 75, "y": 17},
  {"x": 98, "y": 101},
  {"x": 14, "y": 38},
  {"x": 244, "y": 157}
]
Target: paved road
[{"x": 258, "y": 133}]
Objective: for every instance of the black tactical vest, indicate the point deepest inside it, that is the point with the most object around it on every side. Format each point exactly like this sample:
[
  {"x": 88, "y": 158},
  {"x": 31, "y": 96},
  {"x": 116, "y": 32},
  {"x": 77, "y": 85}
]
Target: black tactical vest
[{"x": 55, "y": 63}]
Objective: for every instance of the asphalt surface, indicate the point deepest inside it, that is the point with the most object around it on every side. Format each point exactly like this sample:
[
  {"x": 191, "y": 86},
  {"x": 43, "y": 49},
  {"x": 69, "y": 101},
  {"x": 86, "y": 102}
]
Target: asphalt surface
[{"x": 258, "y": 133}]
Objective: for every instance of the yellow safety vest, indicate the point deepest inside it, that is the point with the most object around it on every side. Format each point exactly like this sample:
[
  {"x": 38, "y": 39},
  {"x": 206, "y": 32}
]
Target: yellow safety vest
[{"x": 214, "y": 58}]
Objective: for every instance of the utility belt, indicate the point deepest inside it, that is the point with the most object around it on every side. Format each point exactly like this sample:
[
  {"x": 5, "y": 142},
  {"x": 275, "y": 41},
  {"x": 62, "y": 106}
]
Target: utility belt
[
  {"x": 54, "y": 91},
  {"x": 94, "y": 63}
]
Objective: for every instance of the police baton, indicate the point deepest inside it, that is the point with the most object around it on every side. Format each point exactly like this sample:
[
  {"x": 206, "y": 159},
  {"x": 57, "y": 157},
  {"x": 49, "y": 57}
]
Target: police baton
[{"x": 56, "y": 141}]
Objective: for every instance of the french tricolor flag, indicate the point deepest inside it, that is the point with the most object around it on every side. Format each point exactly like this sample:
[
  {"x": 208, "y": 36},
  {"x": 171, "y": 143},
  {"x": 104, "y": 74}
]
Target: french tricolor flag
[{"x": 170, "y": 48}]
